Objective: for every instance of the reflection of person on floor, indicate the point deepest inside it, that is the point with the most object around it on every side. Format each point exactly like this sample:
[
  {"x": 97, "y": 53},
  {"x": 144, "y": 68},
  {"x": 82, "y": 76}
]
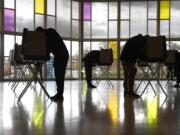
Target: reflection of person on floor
[
  {"x": 132, "y": 50},
  {"x": 57, "y": 47},
  {"x": 59, "y": 127},
  {"x": 90, "y": 60},
  {"x": 89, "y": 107},
  {"x": 129, "y": 118}
]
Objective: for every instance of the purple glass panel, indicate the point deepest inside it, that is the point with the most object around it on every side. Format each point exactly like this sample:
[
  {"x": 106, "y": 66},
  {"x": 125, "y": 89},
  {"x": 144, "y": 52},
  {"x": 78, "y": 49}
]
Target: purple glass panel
[
  {"x": 87, "y": 11},
  {"x": 8, "y": 20}
]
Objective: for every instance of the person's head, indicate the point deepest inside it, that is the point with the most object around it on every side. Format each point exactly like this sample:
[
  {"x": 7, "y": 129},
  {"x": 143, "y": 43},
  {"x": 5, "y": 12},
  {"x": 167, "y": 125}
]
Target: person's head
[
  {"x": 146, "y": 36},
  {"x": 51, "y": 30},
  {"x": 53, "y": 33},
  {"x": 25, "y": 29},
  {"x": 39, "y": 28},
  {"x": 140, "y": 35}
]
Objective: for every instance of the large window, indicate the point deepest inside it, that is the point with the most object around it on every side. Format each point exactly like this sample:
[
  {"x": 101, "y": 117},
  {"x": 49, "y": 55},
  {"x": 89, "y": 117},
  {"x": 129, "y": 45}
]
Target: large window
[{"x": 88, "y": 25}]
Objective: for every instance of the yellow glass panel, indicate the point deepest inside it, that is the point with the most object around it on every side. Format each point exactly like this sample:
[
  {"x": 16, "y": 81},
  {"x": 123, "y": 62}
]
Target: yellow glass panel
[
  {"x": 164, "y": 9},
  {"x": 113, "y": 45},
  {"x": 39, "y": 6}
]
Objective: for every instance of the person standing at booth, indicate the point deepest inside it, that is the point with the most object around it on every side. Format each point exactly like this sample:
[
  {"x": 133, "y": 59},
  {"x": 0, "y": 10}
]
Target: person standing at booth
[
  {"x": 57, "y": 47},
  {"x": 131, "y": 52},
  {"x": 177, "y": 70}
]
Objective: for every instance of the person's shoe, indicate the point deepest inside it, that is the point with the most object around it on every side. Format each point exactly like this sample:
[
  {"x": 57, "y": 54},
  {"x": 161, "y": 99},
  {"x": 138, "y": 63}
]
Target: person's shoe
[
  {"x": 126, "y": 93},
  {"x": 176, "y": 86},
  {"x": 132, "y": 94},
  {"x": 57, "y": 98},
  {"x": 91, "y": 86}
]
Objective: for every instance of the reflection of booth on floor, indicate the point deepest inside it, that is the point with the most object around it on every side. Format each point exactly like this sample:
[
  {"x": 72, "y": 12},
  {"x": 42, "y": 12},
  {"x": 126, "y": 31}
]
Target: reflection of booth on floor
[{"x": 155, "y": 54}]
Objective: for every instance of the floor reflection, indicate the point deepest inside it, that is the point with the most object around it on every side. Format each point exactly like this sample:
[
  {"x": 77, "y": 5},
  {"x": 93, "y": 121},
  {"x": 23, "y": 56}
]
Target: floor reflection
[
  {"x": 85, "y": 111},
  {"x": 129, "y": 118}
]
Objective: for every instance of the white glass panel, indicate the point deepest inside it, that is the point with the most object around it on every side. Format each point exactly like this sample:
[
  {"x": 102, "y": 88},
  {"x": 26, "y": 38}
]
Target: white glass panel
[
  {"x": 175, "y": 45},
  {"x": 75, "y": 29},
  {"x": 8, "y": 44},
  {"x": 124, "y": 10},
  {"x": 112, "y": 29},
  {"x": 75, "y": 10},
  {"x": 164, "y": 28},
  {"x": 124, "y": 29},
  {"x": 50, "y": 22},
  {"x": 86, "y": 48},
  {"x": 19, "y": 40},
  {"x": 39, "y": 20},
  {"x": 98, "y": 45},
  {"x": 152, "y": 28},
  {"x": 67, "y": 43},
  {"x": 75, "y": 59},
  {"x": 86, "y": 29},
  {"x": 51, "y": 7},
  {"x": 63, "y": 17},
  {"x": 24, "y": 15},
  {"x": 50, "y": 68},
  {"x": 75, "y": 50},
  {"x": 99, "y": 20},
  {"x": 113, "y": 10},
  {"x": 138, "y": 18},
  {"x": 122, "y": 43},
  {"x": 175, "y": 19},
  {"x": 152, "y": 9},
  {"x": 75, "y": 69},
  {"x": 168, "y": 43},
  {"x": 9, "y": 4},
  {"x": 68, "y": 70}
]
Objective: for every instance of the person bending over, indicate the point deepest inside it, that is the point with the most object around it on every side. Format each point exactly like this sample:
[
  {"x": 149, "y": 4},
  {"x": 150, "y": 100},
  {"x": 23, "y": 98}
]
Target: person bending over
[
  {"x": 131, "y": 52},
  {"x": 57, "y": 47},
  {"x": 90, "y": 60},
  {"x": 177, "y": 69}
]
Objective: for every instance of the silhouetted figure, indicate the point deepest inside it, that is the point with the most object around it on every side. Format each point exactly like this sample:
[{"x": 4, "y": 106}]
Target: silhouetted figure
[
  {"x": 90, "y": 60},
  {"x": 58, "y": 48},
  {"x": 132, "y": 51},
  {"x": 177, "y": 70}
]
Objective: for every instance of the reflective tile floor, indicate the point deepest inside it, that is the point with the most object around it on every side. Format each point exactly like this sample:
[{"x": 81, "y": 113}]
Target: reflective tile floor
[{"x": 100, "y": 111}]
